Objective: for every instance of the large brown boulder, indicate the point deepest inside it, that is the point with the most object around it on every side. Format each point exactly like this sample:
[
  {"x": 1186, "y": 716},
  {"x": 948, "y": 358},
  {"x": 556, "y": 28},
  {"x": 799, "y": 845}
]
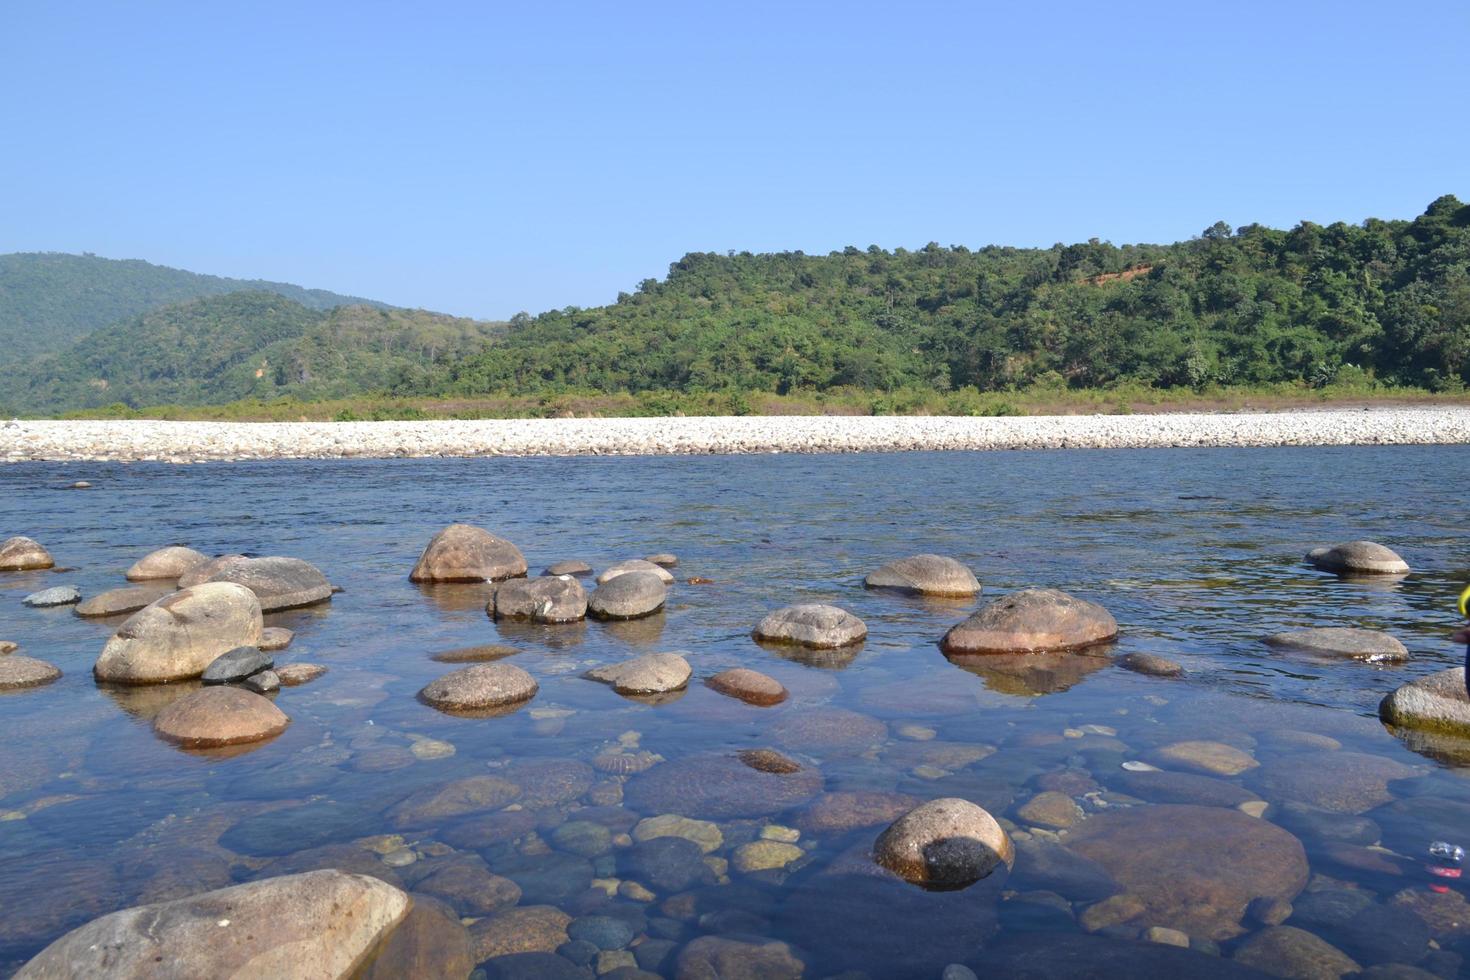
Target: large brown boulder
[
  {"x": 1194, "y": 868},
  {"x": 20, "y": 554},
  {"x": 1032, "y": 621},
  {"x": 322, "y": 924},
  {"x": 1358, "y": 558},
  {"x": 464, "y": 553},
  {"x": 279, "y": 583},
  {"x": 812, "y": 625},
  {"x": 178, "y": 636},
  {"x": 217, "y": 716},
  {"x": 549, "y": 599},
  {"x": 934, "y": 575},
  {"x": 166, "y": 563},
  {"x": 944, "y": 844},
  {"x": 483, "y": 687}
]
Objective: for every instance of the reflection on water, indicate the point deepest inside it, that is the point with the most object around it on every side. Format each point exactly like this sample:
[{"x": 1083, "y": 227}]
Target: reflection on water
[{"x": 1198, "y": 554}]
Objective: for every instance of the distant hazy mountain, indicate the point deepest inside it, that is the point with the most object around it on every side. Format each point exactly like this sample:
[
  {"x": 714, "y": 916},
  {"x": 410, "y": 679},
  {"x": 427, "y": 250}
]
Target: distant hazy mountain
[
  {"x": 241, "y": 345},
  {"x": 48, "y": 300}
]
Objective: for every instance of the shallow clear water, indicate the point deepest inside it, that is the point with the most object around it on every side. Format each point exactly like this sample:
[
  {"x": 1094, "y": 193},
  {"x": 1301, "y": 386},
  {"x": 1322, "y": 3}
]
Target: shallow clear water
[{"x": 1196, "y": 553}]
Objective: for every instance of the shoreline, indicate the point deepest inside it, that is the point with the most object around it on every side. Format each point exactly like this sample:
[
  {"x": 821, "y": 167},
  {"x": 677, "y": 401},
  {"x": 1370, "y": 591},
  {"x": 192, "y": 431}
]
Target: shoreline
[{"x": 190, "y": 442}]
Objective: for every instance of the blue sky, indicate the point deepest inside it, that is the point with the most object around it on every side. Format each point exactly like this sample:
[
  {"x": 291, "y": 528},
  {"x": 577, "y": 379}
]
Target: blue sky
[{"x": 481, "y": 158}]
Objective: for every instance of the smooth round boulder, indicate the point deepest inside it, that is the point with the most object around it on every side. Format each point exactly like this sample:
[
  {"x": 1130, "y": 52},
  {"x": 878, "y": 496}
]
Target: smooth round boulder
[
  {"x": 944, "y": 844},
  {"x": 20, "y": 554},
  {"x": 279, "y": 583},
  {"x": 1435, "y": 703},
  {"x": 652, "y": 673},
  {"x": 18, "y": 672},
  {"x": 216, "y": 716},
  {"x": 274, "y": 638},
  {"x": 57, "y": 595},
  {"x": 318, "y": 924},
  {"x": 465, "y": 553},
  {"x": 1032, "y": 621},
  {"x": 1358, "y": 558},
  {"x": 481, "y": 687},
  {"x": 635, "y": 565},
  {"x": 236, "y": 665},
  {"x": 750, "y": 686},
  {"x": 178, "y": 636},
  {"x": 549, "y": 599},
  {"x": 165, "y": 564},
  {"x": 933, "y": 575},
  {"x": 1373, "y": 646},
  {"x": 812, "y": 625},
  {"x": 122, "y": 602},
  {"x": 571, "y": 566},
  {"x": 632, "y": 595}
]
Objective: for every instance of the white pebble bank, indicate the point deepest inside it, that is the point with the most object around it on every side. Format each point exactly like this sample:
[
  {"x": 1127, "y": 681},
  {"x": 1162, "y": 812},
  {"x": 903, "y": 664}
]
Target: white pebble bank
[{"x": 183, "y": 442}]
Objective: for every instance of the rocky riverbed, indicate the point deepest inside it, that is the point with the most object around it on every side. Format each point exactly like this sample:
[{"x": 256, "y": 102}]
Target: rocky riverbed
[{"x": 183, "y": 442}]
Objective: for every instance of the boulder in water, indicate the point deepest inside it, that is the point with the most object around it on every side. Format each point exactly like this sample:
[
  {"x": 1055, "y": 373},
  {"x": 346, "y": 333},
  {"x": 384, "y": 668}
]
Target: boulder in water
[
  {"x": 217, "y": 716},
  {"x": 464, "y": 553},
  {"x": 934, "y": 575},
  {"x": 1373, "y": 646},
  {"x": 169, "y": 564},
  {"x": 20, "y": 554},
  {"x": 57, "y": 595},
  {"x": 18, "y": 672},
  {"x": 236, "y": 665},
  {"x": 279, "y": 583},
  {"x": 571, "y": 566},
  {"x": 178, "y": 636},
  {"x": 628, "y": 596},
  {"x": 944, "y": 844},
  {"x": 1436, "y": 703},
  {"x": 274, "y": 638},
  {"x": 122, "y": 602},
  {"x": 664, "y": 559},
  {"x": 750, "y": 686},
  {"x": 811, "y": 625},
  {"x": 481, "y": 687},
  {"x": 1032, "y": 621},
  {"x": 549, "y": 599},
  {"x": 320, "y": 924},
  {"x": 1358, "y": 558},
  {"x": 635, "y": 565},
  {"x": 652, "y": 673},
  {"x": 294, "y": 675}
]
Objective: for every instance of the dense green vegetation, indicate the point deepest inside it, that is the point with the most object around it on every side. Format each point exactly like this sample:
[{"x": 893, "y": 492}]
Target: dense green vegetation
[
  {"x": 49, "y": 300},
  {"x": 248, "y": 345},
  {"x": 1385, "y": 300}
]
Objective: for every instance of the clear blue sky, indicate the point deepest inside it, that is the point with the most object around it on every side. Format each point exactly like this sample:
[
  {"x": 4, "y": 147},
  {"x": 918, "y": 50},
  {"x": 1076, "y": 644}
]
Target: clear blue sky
[{"x": 482, "y": 158}]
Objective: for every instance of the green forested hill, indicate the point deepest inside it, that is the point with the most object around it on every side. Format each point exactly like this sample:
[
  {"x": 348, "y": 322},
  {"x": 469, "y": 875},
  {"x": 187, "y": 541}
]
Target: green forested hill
[
  {"x": 1383, "y": 299},
  {"x": 241, "y": 345},
  {"x": 48, "y": 300}
]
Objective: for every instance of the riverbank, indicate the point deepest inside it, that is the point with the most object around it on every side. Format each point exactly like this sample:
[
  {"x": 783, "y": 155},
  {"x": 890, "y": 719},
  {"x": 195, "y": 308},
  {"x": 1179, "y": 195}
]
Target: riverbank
[{"x": 186, "y": 442}]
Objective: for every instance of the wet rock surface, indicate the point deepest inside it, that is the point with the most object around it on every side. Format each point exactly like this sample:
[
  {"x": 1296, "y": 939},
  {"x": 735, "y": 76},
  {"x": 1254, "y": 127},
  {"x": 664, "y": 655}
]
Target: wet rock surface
[
  {"x": 1343, "y": 782},
  {"x": 236, "y": 665},
  {"x": 750, "y": 686},
  {"x": 1358, "y": 558},
  {"x": 219, "y": 716},
  {"x": 1032, "y": 621},
  {"x": 718, "y": 787},
  {"x": 815, "y": 626},
  {"x": 1437, "y": 703},
  {"x": 945, "y": 843}
]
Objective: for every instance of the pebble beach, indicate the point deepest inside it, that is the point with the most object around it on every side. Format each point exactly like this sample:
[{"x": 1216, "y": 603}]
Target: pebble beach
[{"x": 187, "y": 442}]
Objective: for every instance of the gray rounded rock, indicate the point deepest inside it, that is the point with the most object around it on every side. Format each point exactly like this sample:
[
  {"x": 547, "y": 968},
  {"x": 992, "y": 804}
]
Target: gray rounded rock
[
  {"x": 21, "y": 554},
  {"x": 812, "y": 625},
  {"x": 236, "y": 665},
  {"x": 481, "y": 687},
  {"x": 635, "y": 565},
  {"x": 1436, "y": 703},
  {"x": 178, "y": 636},
  {"x": 628, "y": 596},
  {"x": 663, "y": 559},
  {"x": 169, "y": 563},
  {"x": 549, "y": 599},
  {"x": 122, "y": 602},
  {"x": 18, "y": 672},
  {"x": 571, "y": 566},
  {"x": 279, "y": 583},
  {"x": 944, "y": 844},
  {"x": 1358, "y": 558},
  {"x": 1150, "y": 664},
  {"x": 276, "y": 638},
  {"x": 652, "y": 673},
  {"x": 465, "y": 553},
  {"x": 264, "y": 682},
  {"x": 934, "y": 575},
  {"x": 1032, "y": 621},
  {"x": 1373, "y": 646},
  {"x": 59, "y": 595}
]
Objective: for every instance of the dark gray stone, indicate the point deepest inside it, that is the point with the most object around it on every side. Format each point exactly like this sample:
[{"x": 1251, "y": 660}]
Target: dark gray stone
[{"x": 236, "y": 665}]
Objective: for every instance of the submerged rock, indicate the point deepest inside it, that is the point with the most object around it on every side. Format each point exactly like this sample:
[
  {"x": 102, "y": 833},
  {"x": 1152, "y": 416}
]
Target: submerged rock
[
  {"x": 434, "y": 804},
  {"x": 631, "y": 595},
  {"x": 274, "y": 638},
  {"x": 1211, "y": 758},
  {"x": 526, "y": 929},
  {"x": 119, "y": 602},
  {"x": 1150, "y": 664},
  {"x": 569, "y": 567},
  {"x": 750, "y": 686},
  {"x": 558, "y": 599},
  {"x": 21, "y": 554},
  {"x": 431, "y": 942},
  {"x": 1032, "y": 621},
  {"x": 217, "y": 716},
  {"x": 178, "y": 636},
  {"x": 236, "y": 665},
  {"x": 470, "y": 888},
  {"x": 718, "y": 787},
  {"x": 165, "y": 564},
  {"x": 704, "y": 833},
  {"x": 768, "y": 760},
  {"x": 832, "y": 731},
  {"x": 1287, "y": 951},
  {"x": 711, "y": 957},
  {"x": 635, "y": 565},
  {"x": 18, "y": 672},
  {"x": 652, "y": 673},
  {"x": 1335, "y": 641},
  {"x": 1436, "y": 703},
  {"x": 279, "y": 583},
  {"x": 481, "y": 687},
  {"x": 320, "y": 924},
  {"x": 1195, "y": 868},
  {"x": 933, "y": 575},
  {"x": 1062, "y": 956},
  {"x": 664, "y": 559},
  {"x": 294, "y": 675},
  {"x": 837, "y": 813},
  {"x": 1343, "y": 782},
  {"x": 59, "y": 595},
  {"x": 812, "y": 625},
  {"x": 944, "y": 844},
  {"x": 1358, "y": 558},
  {"x": 464, "y": 553}
]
